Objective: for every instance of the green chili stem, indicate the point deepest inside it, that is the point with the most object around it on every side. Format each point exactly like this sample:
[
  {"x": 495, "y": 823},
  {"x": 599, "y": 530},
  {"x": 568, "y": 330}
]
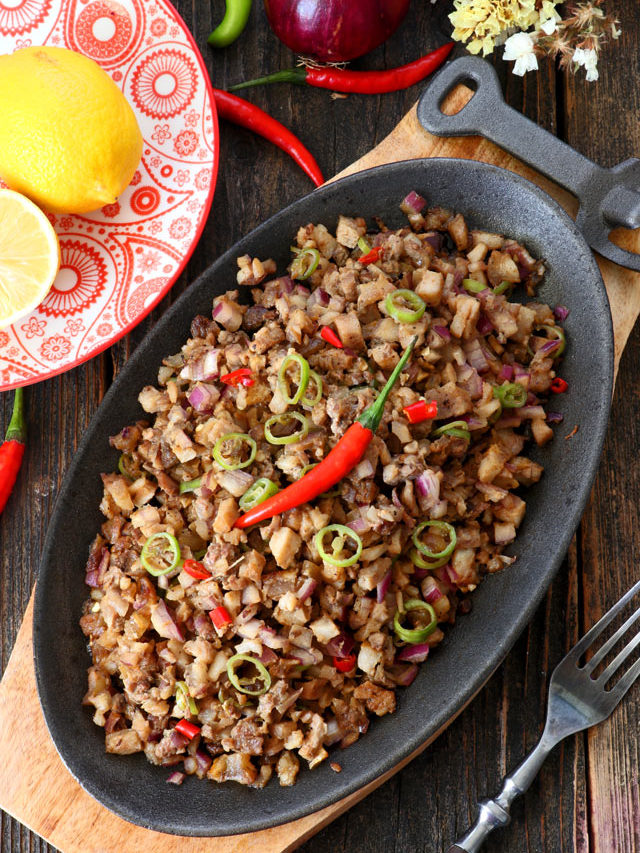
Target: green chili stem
[
  {"x": 17, "y": 429},
  {"x": 288, "y": 75},
  {"x": 371, "y": 417}
]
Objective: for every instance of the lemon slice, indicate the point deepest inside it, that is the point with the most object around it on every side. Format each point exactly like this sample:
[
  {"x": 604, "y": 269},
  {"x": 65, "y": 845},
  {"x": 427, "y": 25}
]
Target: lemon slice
[{"x": 29, "y": 256}]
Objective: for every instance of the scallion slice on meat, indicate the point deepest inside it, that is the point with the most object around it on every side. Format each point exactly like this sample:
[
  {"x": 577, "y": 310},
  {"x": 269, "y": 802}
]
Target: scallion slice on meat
[
  {"x": 309, "y": 401},
  {"x": 415, "y": 635},
  {"x": 503, "y": 287},
  {"x": 305, "y": 264},
  {"x": 456, "y": 428},
  {"x": 418, "y": 560},
  {"x": 303, "y": 379},
  {"x": 405, "y": 306},
  {"x": 184, "y": 699},
  {"x": 285, "y": 420},
  {"x": 160, "y": 554},
  {"x": 424, "y": 549},
  {"x": 512, "y": 395},
  {"x": 473, "y": 286},
  {"x": 337, "y": 544},
  {"x": 190, "y": 485},
  {"x": 126, "y": 466},
  {"x": 243, "y": 685},
  {"x": 231, "y": 459},
  {"x": 258, "y": 492}
]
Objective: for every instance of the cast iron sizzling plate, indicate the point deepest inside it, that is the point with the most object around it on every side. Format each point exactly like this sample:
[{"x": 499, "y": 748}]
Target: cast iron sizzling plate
[{"x": 490, "y": 198}]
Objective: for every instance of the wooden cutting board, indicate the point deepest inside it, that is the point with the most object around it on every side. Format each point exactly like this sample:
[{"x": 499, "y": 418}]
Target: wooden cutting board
[{"x": 36, "y": 788}]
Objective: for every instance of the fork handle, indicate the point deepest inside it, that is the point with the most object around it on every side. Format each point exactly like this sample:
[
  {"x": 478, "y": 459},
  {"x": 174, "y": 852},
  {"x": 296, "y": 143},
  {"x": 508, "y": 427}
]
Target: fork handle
[{"x": 496, "y": 812}]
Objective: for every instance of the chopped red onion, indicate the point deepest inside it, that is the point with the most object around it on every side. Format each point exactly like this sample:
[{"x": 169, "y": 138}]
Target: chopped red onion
[
  {"x": 470, "y": 380},
  {"x": 434, "y": 240},
  {"x": 412, "y": 203},
  {"x": 359, "y": 525},
  {"x": 451, "y": 574},
  {"x": 341, "y": 646},
  {"x": 383, "y": 587},
  {"x": 476, "y": 356},
  {"x": 530, "y": 412},
  {"x": 318, "y": 297},
  {"x": 307, "y": 589},
  {"x": 561, "y": 312},
  {"x": 247, "y": 614},
  {"x": 430, "y": 590},
  {"x": 549, "y": 346},
  {"x": 301, "y": 289},
  {"x": 403, "y": 674},
  {"x": 227, "y": 314},
  {"x": 286, "y": 283},
  {"x": 235, "y": 482},
  {"x": 268, "y": 636},
  {"x": 428, "y": 485},
  {"x": 176, "y": 778},
  {"x": 203, "y": 397},
  {"x": 444, "y": 333},
  {"x": 307, "y": 657},
  {"x": 202, "y": 624},
  {"x": 204, "y": 761},
  {"x": 334, "y": 732},
  {"x": 414, "y": 654},
  {"x": 420, "y": 574},
  {"x": 250, "y": 629},
  {"x": 506, "y": 373},
  {"x": 268, "y": 656},
  {"x": 554, "y": 417},
  {"x": 396, "y": 500},
  {"x": 203, "y": 368},
  {"x": 95, "y": 577},
  {"x": 164, "y": 623},
  {"x": 484, "y": 325}
]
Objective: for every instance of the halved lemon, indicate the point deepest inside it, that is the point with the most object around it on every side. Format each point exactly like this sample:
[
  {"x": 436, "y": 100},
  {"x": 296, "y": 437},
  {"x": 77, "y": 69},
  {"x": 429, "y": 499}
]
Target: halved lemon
[{"x": 29, "y": 256}]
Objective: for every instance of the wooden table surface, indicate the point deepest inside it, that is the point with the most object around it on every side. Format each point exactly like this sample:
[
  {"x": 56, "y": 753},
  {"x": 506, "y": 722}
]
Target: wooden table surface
[{"x": 587, "y": 795}]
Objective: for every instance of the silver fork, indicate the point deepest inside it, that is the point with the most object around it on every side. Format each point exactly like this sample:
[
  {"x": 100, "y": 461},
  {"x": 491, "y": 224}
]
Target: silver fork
[{"x": 576, "y": 702}]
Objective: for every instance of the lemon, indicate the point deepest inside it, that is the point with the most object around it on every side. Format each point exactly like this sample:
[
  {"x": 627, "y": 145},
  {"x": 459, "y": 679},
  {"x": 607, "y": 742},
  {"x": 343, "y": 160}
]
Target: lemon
[
  {"x": 68, "y": 138},
  {"x": 29, "y": 256}
]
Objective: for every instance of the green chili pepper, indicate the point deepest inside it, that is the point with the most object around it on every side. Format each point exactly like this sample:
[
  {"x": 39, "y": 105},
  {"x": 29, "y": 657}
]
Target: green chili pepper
[
  {"x": 285, "y": 418},
  {"x": 125, "y": 466},
  {"x": 160, "y": 554},
  {"x": 457, "y": 428},
  {"x": 237, "y": 660},
  {"x": 418, "y": 560},
  {"x": 258, "y": 492},
  {"x": 512, "y": 395},
  {"x": 235, "y": 20},
  {"x": 239, "y": 437},
  {"x": 503, "y": 287},
  {"x": 443, "y": 525},
  {"x": 305, "y": 264},
  {"x": 190, "y": 485},
  {"x": 337, "y": 544},
  {"x": 473, "y": 286},
  {"x": 184, "y": 699},
  {"x": 408, "y": 297},
  {"x": 415, "y": 635},
  {"x": 307, "y": 401},
  {"x": 283, "y": 384}
]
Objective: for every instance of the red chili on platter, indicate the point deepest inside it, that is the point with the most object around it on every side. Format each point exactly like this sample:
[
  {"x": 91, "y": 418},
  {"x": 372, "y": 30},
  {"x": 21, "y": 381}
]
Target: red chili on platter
[
  {"x": 559, "y": 386},
  {"x": 421, "y": 411},
  {"x": 242, "y": 376},
  {"x": 331, "y": 337},
  {"x": 345, "y": 664},
  {"x": 220, "y": 617},
  {"x": 189, "y": 730},
  {"x": 372, "y": 256},
  {"x": 196, "y": 570},
  {"x": 12, "y": 450}
]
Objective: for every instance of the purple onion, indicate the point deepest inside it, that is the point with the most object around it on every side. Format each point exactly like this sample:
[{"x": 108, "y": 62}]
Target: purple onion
[
  {"x": 476, "y": 356},
  {"x": 176, "y": 778},
  {"x": 470, "y": 380},
  {"x": 268, "y": 637},
  {"x": 506, "y": 373},
  {"x": 203, "y": 397},
  {"x": 531, "y": 412},
  {"x": 549, "y": 346},
  {"x": 383, "y": 587},
  {"x": 428, "y": 485},
  {"x": 404, "y": 675},
  {"x": 414, "y": 654},
  {"x": 430, "y": 591},
  {"x": 412, "y": 203},
  {"x": 359, "y": 525},
  {"x": 561, "y": 312},
  {"x": 484, "y": 325},
  {"x": 443, "y": 331},
  {"x": 286, "y": 282},
  {"x": 334, "y": 733},
  {"x": 203, "y": 761},
  {"x": 203, "y": 368},
  {"x": 164, "y": 623},
  {"x": 434, "y": 240},
  {"x": 341, "y": 646},
  {"x": 307, "y": 589},
  {"x": 268, "y": 656},
  {"x": 554, "y": 417}
]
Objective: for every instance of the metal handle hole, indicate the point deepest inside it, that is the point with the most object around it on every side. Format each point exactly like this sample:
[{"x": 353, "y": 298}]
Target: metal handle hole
[
  {"x": 626, "y": 238},
  {"x": 457, "y": 98}
]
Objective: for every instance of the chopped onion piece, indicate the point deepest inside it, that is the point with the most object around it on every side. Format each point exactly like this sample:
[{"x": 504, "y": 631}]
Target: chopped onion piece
[{"x": 414, "y": 654}]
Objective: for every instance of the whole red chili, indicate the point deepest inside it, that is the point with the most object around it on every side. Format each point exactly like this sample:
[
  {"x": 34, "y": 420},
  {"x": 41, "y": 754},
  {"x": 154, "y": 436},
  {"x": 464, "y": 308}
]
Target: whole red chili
[
  {"x": 196, "y": 570},
  {"x": 189, "y": 730},
  {"x": 249, "y": 116},
  {"x": 12, "y": 450},
  {"x": 421, "y": 411},
  {"x": 559, "y": 386},
  {"x": 361, "y": 82},
  {"x": 331, "y": 337},
  {"x": 343, "y": 457},
  {"x": 345, "y": 664},
  {"x": 242, "y": 376}
]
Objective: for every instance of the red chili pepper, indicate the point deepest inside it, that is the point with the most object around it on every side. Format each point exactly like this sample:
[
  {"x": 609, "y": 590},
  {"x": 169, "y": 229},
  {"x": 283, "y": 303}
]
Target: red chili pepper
[
  {"x": 12, "y": 449},
  {"x": 242, "y": 376},
  {"x": 344, "y": 456},
  {"x": 220, "y": 617},
  {"x": 189, "y": 730},
  {"x": 361, "y": 82},
  {"x": 421, "y": 411},
  {"x": 371, "y": 257},
  {"x": 196, "y": 570},
  {"x": 331, "y": 337},
  {"x": 252, "y": 118},
  {"x": 345, "y": 664},
  {"x": 559, "y": 386}
]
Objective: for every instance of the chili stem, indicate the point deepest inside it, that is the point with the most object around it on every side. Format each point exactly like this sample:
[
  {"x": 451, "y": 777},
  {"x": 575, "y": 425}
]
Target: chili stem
[{"x": 17, "y": 430}]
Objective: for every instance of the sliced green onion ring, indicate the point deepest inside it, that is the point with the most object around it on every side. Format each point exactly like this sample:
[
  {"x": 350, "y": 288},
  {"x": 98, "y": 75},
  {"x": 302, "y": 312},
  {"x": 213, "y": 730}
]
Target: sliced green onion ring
[
  {"x": 184, "y": 699},
  {"x": 473, "y": 286},
  {"x": 337, "y": 544},
  {"x": 307, "y": 401},
  {"x": 556, "y": 332},
  {"x": 415, "y": 635},
  {"x": 240, "y": 437},
  {"x": 257, "y": 493},
  {"x": 190, "y": 485},
  {"x": 160, "y": 554},
  {"x": 512, "y": 395},
  {"x": 442, "y": 525},
  {"x": 305, "y": 263},
  {"x": 418, "y": 560},
  {"x": 125, "y": 466},
  {"x": 240, "y": 684},
  {"x": 503, "y": 287},
  {"x": 401, "y": 314},
  {"x": 283, "y": 384},
  {"x": 286, "y": 418},
  {"x": 457, "y": 428}
]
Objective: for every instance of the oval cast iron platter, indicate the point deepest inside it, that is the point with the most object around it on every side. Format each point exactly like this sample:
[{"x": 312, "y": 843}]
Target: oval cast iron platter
[{"x": 490, "y": 198}]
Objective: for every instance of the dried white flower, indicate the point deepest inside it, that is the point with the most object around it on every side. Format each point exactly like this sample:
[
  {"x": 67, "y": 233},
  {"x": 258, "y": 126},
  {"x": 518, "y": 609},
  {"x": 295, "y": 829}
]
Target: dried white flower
[
  {"x": 589, "y": 60},
  {"x": 519, "y": 47},
  {"x": 549, "y": 26}
]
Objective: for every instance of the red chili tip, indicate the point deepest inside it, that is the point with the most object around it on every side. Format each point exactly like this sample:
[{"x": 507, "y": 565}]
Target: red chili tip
[
  {"x": 371, "y": 257},
  {"x": 345, "y": 664},
  {"x": 559, "y": 386},
  {"x": 187, "y": 729},
  {"x": 242, "y": 376},
  {"x": 331, "y": 337},
  {"x": 220, "y": 617},
  {"x": 421, "y": 411}
]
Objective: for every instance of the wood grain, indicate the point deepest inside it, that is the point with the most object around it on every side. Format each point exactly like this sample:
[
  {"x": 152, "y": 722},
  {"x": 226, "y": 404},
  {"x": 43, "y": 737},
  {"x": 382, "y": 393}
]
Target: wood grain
[{"x": 586, "y": 797}]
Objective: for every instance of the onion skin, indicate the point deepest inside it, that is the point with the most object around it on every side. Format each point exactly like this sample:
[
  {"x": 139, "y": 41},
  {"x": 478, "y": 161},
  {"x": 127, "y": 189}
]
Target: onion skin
[{"x": 334, "y": 30}]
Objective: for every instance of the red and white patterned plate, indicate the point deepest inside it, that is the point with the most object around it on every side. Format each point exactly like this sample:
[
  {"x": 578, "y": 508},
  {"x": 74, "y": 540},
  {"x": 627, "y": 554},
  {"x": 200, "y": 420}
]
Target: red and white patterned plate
[{"x": 118, "y": 262}]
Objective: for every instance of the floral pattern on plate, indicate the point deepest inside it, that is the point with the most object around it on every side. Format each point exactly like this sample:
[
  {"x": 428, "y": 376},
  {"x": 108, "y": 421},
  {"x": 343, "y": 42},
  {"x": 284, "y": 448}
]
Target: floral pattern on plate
[{"x": 119, "y": 261}]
